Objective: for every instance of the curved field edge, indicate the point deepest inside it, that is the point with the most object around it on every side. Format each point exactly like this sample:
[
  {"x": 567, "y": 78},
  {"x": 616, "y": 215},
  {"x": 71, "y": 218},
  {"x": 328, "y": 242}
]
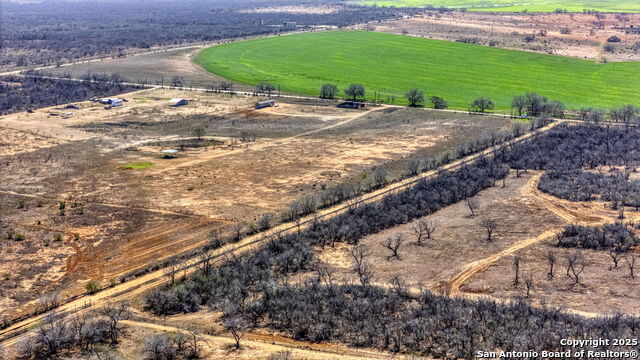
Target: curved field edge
[
  {"x": 614, "y": 6},
  {"x": 390, "y": 65}
]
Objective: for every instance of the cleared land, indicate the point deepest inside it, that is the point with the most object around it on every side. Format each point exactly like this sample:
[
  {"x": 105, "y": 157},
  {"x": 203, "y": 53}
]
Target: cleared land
[
  {"x": 532, "y": 6},
  {"x": 155, "y": 68},
  {"x": 582, "y": 36},
  {"x": 128, "y": 209},
  {"x": 391, "y": 65}
]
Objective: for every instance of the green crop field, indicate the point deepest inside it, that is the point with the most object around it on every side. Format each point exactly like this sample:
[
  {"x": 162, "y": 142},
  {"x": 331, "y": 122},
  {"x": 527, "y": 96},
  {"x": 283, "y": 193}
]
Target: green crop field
[
  {"x": 393, "y": 64},
  {"x": 530, "y": 5}
]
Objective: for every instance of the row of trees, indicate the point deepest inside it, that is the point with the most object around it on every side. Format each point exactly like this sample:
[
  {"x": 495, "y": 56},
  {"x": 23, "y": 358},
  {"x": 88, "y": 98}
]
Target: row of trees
[
  {"x": 622, "y": 114},
  {"x": 60, "y": 333},
  {"x": 534, "y": 105},
  {"x": 577, "y": 185},
  {"x": 573, "y": 147},
  {"x": 618, "y": 237},
  {"x": 440, "y": 327},
  {"x": 529, "y": 104}
]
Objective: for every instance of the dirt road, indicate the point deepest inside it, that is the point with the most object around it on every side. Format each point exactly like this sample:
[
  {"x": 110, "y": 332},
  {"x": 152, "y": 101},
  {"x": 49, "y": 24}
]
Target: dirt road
[
  {"x": 584, "y": 213},
  {"x": 265, "y": 344}
]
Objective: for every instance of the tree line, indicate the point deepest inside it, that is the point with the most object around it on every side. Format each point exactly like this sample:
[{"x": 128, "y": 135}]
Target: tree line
[
  {"x": 22, "y": 93},
  {"x": 49, "y": 33}
]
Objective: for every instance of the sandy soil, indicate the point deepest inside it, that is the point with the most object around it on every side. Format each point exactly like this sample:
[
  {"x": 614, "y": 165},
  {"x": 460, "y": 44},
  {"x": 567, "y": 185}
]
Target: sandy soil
[
  {"x": 458, "y": 261},
  {"x": 154, "y": 68},
  {"x": 17, "y": 141},
  {"x": 604, "y": 289},
  {"x": 459, "y": 239},
  {"x": 585, "y": 40}
]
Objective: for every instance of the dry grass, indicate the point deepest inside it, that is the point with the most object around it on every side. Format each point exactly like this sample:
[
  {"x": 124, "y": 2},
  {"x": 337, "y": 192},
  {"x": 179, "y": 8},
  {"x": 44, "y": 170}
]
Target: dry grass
[{"x": 134, "y": 217}]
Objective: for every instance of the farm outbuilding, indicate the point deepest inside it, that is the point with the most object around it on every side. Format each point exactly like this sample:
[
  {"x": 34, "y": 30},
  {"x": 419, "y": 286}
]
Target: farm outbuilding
[
  {"x": 351, "y": 105},
  {"x": 114, "y": 102},
  {"x": 265, "y": 103},
  {"x": 169, "y": 153},
  {"x": 178, "y": 102}
]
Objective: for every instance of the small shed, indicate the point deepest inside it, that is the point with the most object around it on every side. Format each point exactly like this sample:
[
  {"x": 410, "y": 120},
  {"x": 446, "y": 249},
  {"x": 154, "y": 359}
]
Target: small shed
[
  {"x": 265, "y": 103},
  {"x": 178, "y": 102},
  {"x": 169, "y": 153},
  {"x": 114, "y": 102},
  {"x": 351, "y": 105}
]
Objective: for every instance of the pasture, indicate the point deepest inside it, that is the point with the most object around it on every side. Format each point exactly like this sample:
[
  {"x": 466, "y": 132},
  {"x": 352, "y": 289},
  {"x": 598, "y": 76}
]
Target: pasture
[
  {"x": 508, "y": 6},
  {"x": 392, "y": 64}
]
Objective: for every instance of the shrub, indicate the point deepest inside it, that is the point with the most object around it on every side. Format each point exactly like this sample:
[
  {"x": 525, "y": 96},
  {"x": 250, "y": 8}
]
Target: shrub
[{"x": 92, "y": 287}]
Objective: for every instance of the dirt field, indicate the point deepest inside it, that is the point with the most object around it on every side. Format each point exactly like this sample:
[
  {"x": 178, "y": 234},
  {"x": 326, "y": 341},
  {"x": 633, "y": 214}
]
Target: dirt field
[
  {"x": 248, "y": 163},
  {"x": 15, "y": 142},
  {"x": 459, "y": 261},
  {"x": 458, "y": 241},
  {"x": 155, "y": 68},
  {"x": 603, "y": 289},
  {"x": 573, "y": 35}
]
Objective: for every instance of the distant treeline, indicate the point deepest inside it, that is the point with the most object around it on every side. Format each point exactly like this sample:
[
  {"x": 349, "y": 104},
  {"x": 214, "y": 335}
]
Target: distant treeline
[
  {"x": 59, "y": 32},
  {"x": 21, "y": 93}
]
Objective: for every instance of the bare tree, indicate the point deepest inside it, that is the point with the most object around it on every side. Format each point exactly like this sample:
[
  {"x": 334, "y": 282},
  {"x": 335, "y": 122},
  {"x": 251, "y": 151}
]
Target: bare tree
[
  {"x": 393, "y": 244},
  {"x": 194, "y": 341},
  {"x": 551, "y": 258},
  {"x": 115, "y": 313},
  {"x": 226, "y": 86},
  {"x": 516, "y": 270},
  {"x": 380, "y": 176},
  {"x": 424, "y": 229},
  {"x": 615, "y": 255},
  {"x": 171, "y": 271},
  {"x": 528, "y": 283},
  {"x": 198, "y": 132},
  {"x": 236, "y": 230},
  {"x": 215, "y": 238},
  {"x": 576, "y": 264},
  {"x": 412, "y": 166},
  {"x": 206, "y": 262},
  {"x": 631, "y": 264},
  {"x": 237, "y": 326},
  {"x": 472, "y": 204},
  {"x": 48, "y": 301},
  {"x": 158, "y": 347},
  {"x": 490, "y": 225},
  {"x": 359, "y": 253}
]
